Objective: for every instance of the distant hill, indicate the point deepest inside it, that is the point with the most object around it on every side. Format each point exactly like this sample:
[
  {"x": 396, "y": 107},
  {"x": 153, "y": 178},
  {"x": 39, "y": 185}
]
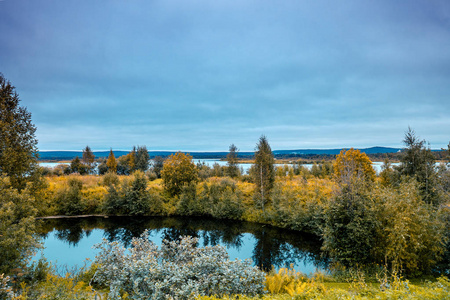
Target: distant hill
[
  {"x": 371, "y": 150},
  {"x": 69, "y": 155}
]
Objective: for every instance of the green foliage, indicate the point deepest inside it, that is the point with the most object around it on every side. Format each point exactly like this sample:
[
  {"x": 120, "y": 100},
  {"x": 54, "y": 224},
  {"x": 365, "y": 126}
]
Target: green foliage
[
  {"x": 18, "y": 144},
  {"x": 388, "y": 175},
  {"x": 263, "y": 171},
  {"x": 88, "y": 158},
  {"x": 411, "y": 233},
  {"x": 113, "y": 201},
  {"x": 386, "y": 225},
  {"x": 350, "y": 227},
  {"x": 322, "y": 170},
  {"x": 17, "y": 225},
  {"x": 126, "y": 164},
  {"x": 110, "y": 178},
  {"x": 221, "y": 199},
  {"x": 178, "y": 170},
  {"x": 232, "y": 162},
  {"x": 418, "y": 162},
  {"x": 76, "y": 166},
  {"x": 157, "y": 166},
  {"x": 133, "y": 198},
  {"x": 68, "y": 198},
  {"x": 299, "y": 205},
  {"x": 142, "y": 158},
  {"x": 42, "y": 282},
  {"x": 102, "y": 167}
]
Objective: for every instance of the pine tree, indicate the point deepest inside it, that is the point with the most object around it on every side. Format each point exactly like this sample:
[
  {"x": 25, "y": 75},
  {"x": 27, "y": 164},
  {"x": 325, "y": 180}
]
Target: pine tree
[
  {"x": 111, "y": 163},
  {"x": 88, "y": 158},
  {"x": 419, "y": 162}
]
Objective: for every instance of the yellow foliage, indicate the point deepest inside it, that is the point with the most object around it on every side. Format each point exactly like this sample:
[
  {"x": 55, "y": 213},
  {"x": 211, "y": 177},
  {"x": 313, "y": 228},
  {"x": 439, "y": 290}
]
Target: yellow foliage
[
  {"x": 93, "y": 198},
  {"x": 352, "y": 164},
  {"x": 285, "y": 281}
]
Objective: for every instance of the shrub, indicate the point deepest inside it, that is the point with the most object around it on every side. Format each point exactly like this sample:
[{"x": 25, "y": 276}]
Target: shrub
[
  {"x": 110, "y": 178},
  {"x": 68, "y": 198},
  {"x": 178, "y": 270}
]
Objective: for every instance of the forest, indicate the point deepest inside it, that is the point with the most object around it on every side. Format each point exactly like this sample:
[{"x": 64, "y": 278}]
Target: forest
[{"x": 387, "y": 235}]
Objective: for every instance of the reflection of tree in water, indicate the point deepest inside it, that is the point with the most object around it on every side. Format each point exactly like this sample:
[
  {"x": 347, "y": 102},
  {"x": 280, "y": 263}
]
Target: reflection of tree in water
[
  {"x": 274, "y": 247},
  {"x": 70, "y": 230},
  {"x": 281, "y": 248}
]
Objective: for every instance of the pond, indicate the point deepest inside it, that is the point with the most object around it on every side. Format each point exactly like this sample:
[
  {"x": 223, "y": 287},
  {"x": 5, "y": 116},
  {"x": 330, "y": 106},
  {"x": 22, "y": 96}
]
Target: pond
[{"x": 68, "y": 242}]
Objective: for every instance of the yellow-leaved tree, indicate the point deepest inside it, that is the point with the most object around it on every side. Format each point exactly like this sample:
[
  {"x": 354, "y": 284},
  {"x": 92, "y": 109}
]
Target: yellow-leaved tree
[
  {"x": 177, "y": 171},
  {"x": 352, "y": 165},
  {"x": 111, "y": 163}
]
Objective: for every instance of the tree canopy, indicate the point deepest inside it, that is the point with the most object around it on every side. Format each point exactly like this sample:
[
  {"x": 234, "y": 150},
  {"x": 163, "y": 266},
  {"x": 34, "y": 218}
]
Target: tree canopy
[
  {"x": 351, "y": 165},
  {"x": 177, "y": 171},
  {"x": 18, "y": 144}
]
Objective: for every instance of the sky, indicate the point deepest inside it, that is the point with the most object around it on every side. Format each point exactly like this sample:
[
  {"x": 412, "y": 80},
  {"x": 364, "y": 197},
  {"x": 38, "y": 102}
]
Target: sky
[{"x": 200, "y": 75}]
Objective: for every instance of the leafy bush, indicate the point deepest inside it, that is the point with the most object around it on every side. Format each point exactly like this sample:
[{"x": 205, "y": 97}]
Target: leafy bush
[
  {"x": 68, "y": 199},
  {"x": 178, "y": 270},
  {"x": 110, "y": 178}
]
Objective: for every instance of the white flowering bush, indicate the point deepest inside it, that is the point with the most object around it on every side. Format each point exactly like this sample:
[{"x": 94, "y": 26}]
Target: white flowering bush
[{"x": 177, "y": 270}]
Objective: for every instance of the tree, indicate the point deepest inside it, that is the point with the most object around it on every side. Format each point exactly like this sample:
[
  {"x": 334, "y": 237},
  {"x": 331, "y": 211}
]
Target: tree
[
  {"x": 419, "y": 162},
  {"x": 411, "y": 233},
  {"x": 177, "y": 171},
  {"x": 263, "y": 170},
  {"x": 126, "y": 164},
  {"x": 17, "y": 226},
  {"x": 232, "y": 162},
  {"x": 111, "y": 162},
  {"x": 352, "y": 166},
  {"x": 18, "y": 144},
  {"x": 142, "y": 158},
  {"x": 349, "y": 228},
  {"x": 158, "y": 164},
  {"x": 88, "y": 158},
  {"x": 77, "y": 167}
]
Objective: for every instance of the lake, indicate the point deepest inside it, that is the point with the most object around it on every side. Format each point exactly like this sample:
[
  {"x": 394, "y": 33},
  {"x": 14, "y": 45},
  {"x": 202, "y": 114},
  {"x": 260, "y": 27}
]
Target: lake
[{"x": 68, "y": 242}]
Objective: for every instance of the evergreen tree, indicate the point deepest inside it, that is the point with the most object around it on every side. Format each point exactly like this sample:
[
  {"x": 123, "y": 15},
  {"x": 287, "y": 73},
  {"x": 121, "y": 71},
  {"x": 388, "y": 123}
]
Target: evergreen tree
[
  {"x": 111, "y": 163},
  {"x": 232, "y": 162},
  {"x": 419, "y": 162},
  {"x": 88, "y": 158},
  {"x": 263, "y": 170},
  {"x": 18, "y": 144},
  {"x": 142, "y": 158}
]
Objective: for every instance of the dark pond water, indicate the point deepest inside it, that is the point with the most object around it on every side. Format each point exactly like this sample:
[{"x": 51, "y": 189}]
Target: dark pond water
[{"x": 68, "y": 242}]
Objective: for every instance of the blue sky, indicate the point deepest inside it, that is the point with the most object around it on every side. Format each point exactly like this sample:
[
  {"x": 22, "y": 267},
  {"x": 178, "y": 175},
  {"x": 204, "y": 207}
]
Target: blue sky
[{"x": 200, "y": 75}]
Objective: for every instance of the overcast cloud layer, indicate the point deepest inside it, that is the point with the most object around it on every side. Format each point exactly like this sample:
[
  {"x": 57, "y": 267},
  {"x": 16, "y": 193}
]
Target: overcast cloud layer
[{"x": 200, "y": 75}]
